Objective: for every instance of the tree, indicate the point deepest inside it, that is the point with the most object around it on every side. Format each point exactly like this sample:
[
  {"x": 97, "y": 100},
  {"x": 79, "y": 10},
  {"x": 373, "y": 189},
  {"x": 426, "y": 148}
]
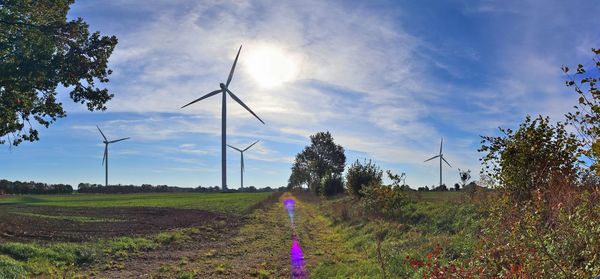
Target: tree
[
  {"x": 531, "y": 158},
  {"x": 586, "y": 118},
  {"x": 465, "y": 176},
  {"x": 332, "y": 185},
  {"x": 321, "y": 158},
  {"x": 361, "y": 174},
  {"x": 40, "y": 50}
]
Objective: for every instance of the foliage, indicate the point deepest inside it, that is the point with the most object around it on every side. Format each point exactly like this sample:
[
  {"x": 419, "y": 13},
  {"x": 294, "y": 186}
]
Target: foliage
[
  {"x": 26, "y": 259},
  {"x": 121, "y": 246},
  {"x": 433, "y": 267},
  {"x": 383, "y": 201},
  {"x": 176, "y": 236},
  {"x": 586, "y": 118},
  {"x": 18, "y": 187},
  {"x": 10, "y": 268},
  {"x": 554, "y": 235},
  {"x": 332, "y": 185},
  {"x": 397, "y": 180},
  {"x": 443, "y": 221},
  {"x": 321, "y": 158},
  {"x": 221, "y": 202},
  {"x": 441, "y": 188},
  {"x": 361, "y": 174},
  {"x": 530, "y": 158},
  {"x": 465, "y": 176},
  {"x": 40, "y": 50}
]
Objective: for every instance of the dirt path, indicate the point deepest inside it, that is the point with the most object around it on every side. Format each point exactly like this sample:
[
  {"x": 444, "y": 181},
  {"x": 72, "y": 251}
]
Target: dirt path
[
  {"x": 259, "y": 247},
  {"x": 262, "y": 248}
]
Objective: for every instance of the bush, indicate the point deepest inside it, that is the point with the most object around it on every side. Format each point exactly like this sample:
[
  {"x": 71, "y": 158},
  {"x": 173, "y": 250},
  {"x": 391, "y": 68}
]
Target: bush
[
  {"x": 554, "y": 235},
  {"x": 383, "y": 201},
  {"x": 359, "y": 175},
  {"x": 332, "y": 185},
  {"x": 531, "y": 158}
]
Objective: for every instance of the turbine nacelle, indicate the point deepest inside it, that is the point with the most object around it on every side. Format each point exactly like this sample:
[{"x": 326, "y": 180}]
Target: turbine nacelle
[{"x": 223, "y": 87}]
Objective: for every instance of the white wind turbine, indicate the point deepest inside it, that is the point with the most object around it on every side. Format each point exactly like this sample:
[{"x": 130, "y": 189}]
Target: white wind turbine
[
  {"x": 105, "y": 157},
  {"x": 242, "y": 161},
  {"x": 441, "y": 156},
  {"x": 224, "y": 89}
]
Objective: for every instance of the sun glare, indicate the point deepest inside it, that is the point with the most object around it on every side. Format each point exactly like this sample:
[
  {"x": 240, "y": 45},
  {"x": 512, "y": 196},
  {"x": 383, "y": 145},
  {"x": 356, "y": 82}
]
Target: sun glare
[{"x": 270, "y": 66}]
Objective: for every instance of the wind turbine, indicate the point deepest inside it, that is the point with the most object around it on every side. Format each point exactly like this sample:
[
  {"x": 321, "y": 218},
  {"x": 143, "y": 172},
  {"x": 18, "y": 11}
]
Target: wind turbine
[
  {"x": 441, "y": 156},
  {"x": 242, "y": 160},
  {"x": 224, "y": 89},
  {"x": 105, "y": 158}
]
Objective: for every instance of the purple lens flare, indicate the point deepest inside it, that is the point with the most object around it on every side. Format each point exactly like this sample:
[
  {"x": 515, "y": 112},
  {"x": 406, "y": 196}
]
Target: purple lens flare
[
  {"x": 289, "y": 205},
  {"x": 297, "y": 260},
  {"x": 296, "y": 256}
]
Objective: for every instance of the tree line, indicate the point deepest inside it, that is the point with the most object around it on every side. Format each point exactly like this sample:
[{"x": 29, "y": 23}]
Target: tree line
[
  {"x": 26, "y": 188},
  {"x": 18, "y": 187}
]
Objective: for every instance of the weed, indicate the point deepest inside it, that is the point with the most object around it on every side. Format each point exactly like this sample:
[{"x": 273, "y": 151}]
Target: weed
[{"x": 10, "y": 268}]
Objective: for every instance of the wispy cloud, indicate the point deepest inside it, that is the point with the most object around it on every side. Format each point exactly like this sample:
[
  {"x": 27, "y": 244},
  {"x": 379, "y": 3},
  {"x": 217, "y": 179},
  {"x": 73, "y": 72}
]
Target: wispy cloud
[{"x": 386, "y": 79}]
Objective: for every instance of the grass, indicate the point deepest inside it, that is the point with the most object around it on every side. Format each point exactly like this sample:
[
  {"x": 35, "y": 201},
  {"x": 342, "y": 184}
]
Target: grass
[
  {"x": 435, "y": 219},
  {"x": 81, "y": 219},
  {"x": 222, "y": 202},
  {"x": 23, "y": 260}
]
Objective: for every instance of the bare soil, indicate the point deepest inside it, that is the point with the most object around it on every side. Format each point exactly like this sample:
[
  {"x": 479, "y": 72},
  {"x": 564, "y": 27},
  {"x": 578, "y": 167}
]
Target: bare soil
[{"x": 121, "y": 221}]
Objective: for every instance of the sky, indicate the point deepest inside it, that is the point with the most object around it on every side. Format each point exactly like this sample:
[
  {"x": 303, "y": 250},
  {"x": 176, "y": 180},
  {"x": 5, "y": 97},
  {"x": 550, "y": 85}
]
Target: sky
[{"x": 388, "y": 79}]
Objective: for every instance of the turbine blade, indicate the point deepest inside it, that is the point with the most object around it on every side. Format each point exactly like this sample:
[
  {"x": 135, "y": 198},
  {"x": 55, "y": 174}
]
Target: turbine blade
[
  {"x": 431, "y": 158},
  {"x": 251, "y": 145},
  {"x": 204, "y": 97},
  {"x": 118, "y": 140},
  {"x": 446, "y": 161},
  {"x": 243, "y": 167},
  {"x": 244, "y": 105},
  {"x": 234, "y": 148},
  {"x": 233, "y": 67},
  {"x": 441, "y": 142},
  {"x": 101, "y": 133},
  {"x": 105, "y": 153}
]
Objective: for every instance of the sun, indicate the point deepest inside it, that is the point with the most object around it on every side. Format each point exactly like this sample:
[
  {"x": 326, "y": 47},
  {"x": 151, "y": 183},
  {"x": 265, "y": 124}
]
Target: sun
[{"x": 270, "y": 65}]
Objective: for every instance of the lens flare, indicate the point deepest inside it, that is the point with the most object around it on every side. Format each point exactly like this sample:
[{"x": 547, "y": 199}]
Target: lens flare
[
  {"x": 297, "y": 260},
  {"x": 296, "y": 256},
  {"x": 289, "y": 205}
]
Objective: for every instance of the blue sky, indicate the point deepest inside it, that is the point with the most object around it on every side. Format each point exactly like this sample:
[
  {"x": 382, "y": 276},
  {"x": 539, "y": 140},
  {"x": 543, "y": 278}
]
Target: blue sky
[{"x": 387, "y": 78}]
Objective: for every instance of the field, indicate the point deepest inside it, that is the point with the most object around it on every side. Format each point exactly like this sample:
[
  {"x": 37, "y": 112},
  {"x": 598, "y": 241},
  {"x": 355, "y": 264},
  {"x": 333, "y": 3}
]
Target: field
[
  {"x": 229, "y": 202},
  {"x": 206, "y": 235},
  {"x": 56, "y": 237},
  {"x": 89, "y": 234}
]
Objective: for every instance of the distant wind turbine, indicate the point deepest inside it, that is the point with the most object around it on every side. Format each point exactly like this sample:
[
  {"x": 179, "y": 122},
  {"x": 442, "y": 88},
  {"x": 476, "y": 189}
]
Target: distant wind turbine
[
  {"x": 224, "y": 89},
  {"x": 242, "y": 160},
  {"x": 105, "y": 158},
  {"x": 441, "y": 156}
]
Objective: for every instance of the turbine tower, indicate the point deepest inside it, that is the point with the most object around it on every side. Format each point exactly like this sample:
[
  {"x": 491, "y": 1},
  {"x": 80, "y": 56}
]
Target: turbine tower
[
  {"x": 224, "y": 89},
  {"x": 242, "y": 161},
  {"x": 105, "y": 158},
  {"x": 441, "y": 156}
]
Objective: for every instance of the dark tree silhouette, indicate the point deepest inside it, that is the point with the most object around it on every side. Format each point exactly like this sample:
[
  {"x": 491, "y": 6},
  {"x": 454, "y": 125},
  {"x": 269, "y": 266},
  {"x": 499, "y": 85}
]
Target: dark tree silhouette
[
  {"x": 323, "y": 157},
  {"x": 40, "y": 50}
]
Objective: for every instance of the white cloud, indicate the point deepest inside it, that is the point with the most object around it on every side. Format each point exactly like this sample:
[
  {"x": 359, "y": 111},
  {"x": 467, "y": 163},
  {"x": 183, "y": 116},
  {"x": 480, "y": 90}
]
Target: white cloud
[{"x": 375, "y": 85}]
